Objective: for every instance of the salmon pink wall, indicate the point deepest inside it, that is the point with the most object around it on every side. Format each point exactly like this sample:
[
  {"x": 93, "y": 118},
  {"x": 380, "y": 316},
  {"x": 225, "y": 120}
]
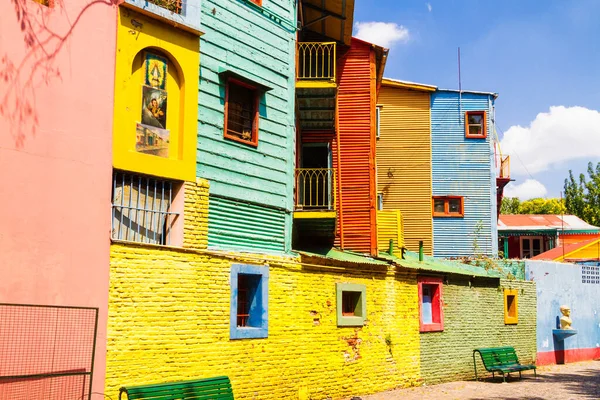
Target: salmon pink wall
[{"x": 56, "y": 104}]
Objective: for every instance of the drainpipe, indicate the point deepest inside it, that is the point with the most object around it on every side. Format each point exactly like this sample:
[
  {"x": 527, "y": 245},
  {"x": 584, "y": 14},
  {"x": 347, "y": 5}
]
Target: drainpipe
[
  {"x": 420, "y": 250},
  {"x": 391, "y": 248}
]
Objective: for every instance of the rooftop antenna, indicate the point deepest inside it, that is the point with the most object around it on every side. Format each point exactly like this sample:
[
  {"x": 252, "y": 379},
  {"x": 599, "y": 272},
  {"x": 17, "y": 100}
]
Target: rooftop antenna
[{"x": 459, "y": 88}]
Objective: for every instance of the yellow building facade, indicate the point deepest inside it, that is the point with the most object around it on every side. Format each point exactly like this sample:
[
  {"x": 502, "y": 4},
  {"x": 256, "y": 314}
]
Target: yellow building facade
[
  {"x": 156, "y": 97},
  {"x": 404, "y": 158},
  {"x": 169, "y": 320}
]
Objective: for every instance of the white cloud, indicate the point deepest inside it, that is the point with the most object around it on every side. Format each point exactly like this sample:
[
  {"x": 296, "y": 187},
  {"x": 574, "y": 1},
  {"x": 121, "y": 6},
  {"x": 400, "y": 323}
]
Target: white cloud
[
  {"x": 553, "y": 138},
  {"x": 381, "y": 33},
  {"x": 429, "y": 6},
  {"x": 529, "y": 189}
]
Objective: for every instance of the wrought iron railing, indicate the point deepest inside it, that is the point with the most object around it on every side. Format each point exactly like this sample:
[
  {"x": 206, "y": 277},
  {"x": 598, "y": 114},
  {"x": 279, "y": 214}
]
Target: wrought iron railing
[
  {"x": 505, "y": 167},
  {"x": 315, "y": 189},
  {"x": 316, "y": 61}
]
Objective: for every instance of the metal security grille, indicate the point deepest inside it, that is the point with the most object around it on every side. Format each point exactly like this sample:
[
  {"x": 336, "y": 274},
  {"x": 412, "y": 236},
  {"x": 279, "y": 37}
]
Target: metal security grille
[
  {"x": 590, "y": 274},
  {"x": 46, "y": 352},
  {"x": 141, "y": 208}
]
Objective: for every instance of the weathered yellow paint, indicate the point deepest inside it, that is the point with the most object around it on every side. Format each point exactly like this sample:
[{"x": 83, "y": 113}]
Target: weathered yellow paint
[
  {"x": 404, "y": 161},
  {"x": 169, "y": 320},
  {"x": 390, "y": 226},
  {"x": 136, "y": 32}
]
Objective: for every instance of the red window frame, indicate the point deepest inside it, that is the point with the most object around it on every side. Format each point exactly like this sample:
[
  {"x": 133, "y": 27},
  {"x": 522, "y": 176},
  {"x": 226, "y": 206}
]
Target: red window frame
[
  {"x": 254, "y": 135},
  {"x": 483, "y": 128},
  {"x": 257, "y": 2},
  {"x": 437, "y": 312},
  {"x": 447, "y": 212}
]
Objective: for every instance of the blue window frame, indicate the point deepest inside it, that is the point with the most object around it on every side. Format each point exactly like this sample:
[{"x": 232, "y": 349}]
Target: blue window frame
[{"x": 249, "y": 309}]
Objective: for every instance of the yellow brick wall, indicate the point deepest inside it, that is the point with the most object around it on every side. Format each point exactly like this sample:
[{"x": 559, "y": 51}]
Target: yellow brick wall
[
  {"x": 169, "y": 320},
  {"x": 195, "y": 214}
]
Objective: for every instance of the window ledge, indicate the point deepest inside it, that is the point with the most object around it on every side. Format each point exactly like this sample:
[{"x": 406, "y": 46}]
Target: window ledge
[
  {"x": 431, "y": 328},
  {"x": 248, "y": 332}
]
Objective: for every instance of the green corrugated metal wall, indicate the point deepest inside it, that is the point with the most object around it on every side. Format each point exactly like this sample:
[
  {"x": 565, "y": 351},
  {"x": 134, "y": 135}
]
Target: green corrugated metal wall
[{"x": 233, "y": 225}]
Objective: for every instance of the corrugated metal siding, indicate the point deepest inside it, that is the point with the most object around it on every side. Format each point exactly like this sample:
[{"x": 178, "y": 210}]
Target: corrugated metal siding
[
  {"x": 240, "y": 39},
  {"x": 463, "y": 167},
  {"x": 234, "y": 225},
  {"x": 390, "y": 225},
  {"x": 404, "y": 162},
  {"x": 356, "y": 112}
]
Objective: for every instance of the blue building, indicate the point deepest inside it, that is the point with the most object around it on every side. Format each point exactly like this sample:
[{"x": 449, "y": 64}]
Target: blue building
[{"x": 464, "y": 184}]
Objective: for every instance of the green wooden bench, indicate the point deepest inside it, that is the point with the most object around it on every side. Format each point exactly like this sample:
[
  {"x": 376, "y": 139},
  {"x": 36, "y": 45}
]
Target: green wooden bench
[
  {"x": 501, "y": 359},
  {"x": 217, "y": 388}
]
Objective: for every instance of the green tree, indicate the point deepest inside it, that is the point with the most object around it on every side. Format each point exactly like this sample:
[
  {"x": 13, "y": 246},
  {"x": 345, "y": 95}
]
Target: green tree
[
  {"x": 582, "y": 197},
  {"x": 542, "y": 206},
  {"x": 510, "y": 205}
]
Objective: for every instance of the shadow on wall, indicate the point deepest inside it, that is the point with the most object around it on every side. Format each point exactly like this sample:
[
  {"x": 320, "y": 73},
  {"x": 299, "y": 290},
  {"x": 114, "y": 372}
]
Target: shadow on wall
[{"x": 21, "y": 76}]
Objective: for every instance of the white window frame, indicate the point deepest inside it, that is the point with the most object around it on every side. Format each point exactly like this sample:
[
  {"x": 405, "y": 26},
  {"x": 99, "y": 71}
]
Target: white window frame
[{"x": 530, "y": 239}]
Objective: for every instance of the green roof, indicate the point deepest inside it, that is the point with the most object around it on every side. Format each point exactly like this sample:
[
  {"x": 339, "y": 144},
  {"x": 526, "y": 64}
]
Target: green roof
[
  {"x": 342, "y": 255},
  {"x": 411, "y": 261},
  {"x": 432, "y": 264}
]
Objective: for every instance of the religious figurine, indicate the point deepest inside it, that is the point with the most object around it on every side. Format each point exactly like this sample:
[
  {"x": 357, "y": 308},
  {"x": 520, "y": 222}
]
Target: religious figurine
[{"x": 565, "y": 320}]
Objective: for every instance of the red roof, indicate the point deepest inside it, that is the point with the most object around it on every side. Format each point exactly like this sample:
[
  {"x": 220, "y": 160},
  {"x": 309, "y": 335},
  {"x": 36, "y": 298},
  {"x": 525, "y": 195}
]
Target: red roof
[
  {"x": 542, "y": 221},
  {"x": 557, "y": 252}
]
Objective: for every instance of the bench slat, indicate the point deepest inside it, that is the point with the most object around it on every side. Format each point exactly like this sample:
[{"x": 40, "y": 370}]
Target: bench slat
[{"x": 217, "y": 388}]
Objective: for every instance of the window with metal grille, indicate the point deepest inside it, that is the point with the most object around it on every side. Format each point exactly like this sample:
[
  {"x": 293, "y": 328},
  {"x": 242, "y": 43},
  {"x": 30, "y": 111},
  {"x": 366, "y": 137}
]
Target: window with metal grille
[
  {"x": 141, "y": 208},
  {"x": 241, "y": 112},
  {"x": 175, "y": 6},
  {"x": 590, "y": 274},
  {"x": 475, "y": 125},
  {"x": 249, "y": 301}
]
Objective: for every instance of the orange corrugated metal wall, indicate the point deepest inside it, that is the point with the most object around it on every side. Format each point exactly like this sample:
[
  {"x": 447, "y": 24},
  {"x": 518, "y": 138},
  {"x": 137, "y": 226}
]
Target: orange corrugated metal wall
[
  {"x": 356, "y": 116},
  {"x": 404, "y": 161}
]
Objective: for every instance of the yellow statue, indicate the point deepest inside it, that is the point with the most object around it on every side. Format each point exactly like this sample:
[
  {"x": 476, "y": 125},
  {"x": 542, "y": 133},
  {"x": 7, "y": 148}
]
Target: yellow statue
[{"x": 565, "y": 320}]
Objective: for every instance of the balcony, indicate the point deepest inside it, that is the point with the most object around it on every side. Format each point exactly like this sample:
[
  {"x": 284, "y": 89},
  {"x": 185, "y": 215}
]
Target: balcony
[
  {"x": 315, "y": 190},
  {"x": 502, "y": 180},
  {"x": 315, "y": 64},
  {"x": 316, "y": 85},
  {"x": 315, "y": 210}
]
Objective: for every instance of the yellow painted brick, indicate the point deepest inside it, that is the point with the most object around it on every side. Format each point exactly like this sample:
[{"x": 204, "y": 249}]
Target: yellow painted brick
[{"x": 169, "y": 320}]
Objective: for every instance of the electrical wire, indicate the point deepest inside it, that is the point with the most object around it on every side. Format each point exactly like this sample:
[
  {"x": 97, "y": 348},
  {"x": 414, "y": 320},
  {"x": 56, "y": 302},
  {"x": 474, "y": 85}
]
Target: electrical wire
[{"x": 515, "y": 153}]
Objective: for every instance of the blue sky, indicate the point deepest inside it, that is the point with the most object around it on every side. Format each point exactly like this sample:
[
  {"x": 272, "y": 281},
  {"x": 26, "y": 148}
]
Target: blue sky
[{"x": 535, "y": 54}]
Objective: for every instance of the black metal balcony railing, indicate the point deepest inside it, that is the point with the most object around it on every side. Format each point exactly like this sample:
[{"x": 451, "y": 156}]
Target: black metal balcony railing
[
  {"x": 316, "y": 61},
  {"x": 315, "y": 189}
]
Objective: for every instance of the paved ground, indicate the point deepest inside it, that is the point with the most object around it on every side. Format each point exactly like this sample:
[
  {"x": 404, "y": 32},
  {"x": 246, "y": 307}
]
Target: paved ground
[{"x": 564, "y": 382}]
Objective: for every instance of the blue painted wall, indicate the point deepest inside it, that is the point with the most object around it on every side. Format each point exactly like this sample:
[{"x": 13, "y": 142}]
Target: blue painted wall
[
  {"x": 559, "y": 284},
  {"x": 258, "y": 44},
  {"x": 463, "y": 167}
]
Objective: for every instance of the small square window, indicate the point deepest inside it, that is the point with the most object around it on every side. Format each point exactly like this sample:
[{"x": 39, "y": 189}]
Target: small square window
[
  {"x": 448, "y": 206},
  {"x": 175, "y": 6},
  {"x": 241, "y": 112},
  {"x": 430, "y": 305},
  {"x": 249, "y": 301},
  {"x": 475, "y": 125},
  {"x": 511, "y": 306},
  {"x": 47, "y": 3},
  {"x": 351, "y": 304}
]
